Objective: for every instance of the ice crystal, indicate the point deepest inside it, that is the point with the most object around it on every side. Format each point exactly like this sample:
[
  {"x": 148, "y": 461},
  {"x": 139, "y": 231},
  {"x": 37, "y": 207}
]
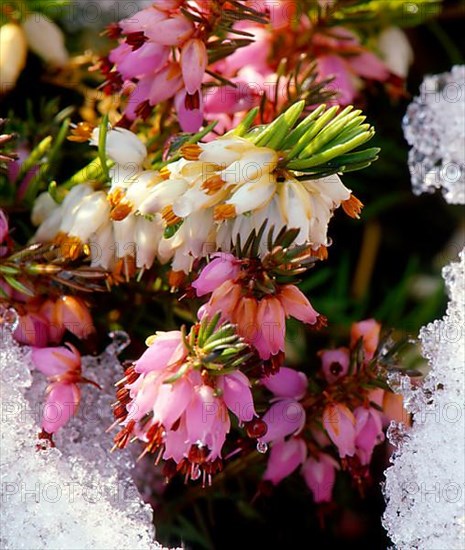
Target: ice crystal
[
  {"x": 435, "y": 128},
  {"x": 425, "y": 486},
  {"x": 77, "y": 495}
]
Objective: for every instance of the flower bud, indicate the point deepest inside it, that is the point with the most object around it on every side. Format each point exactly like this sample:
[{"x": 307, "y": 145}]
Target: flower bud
[
  {"x": 13, "y": 53},
  {"x": 46, "y": 39}
]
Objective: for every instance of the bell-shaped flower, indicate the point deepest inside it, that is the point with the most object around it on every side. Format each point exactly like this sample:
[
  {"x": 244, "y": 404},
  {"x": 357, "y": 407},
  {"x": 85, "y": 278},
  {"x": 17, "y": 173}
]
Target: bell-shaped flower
[
  {"x": 285, "y": 457},
  {"x": 45, "y": 39},
  {"x": 122, "y": 146},
  {"x": 284, "y": 417},
  {"x": 194, "y": 60},
  {"x": 339, "y": 423},
  {"x": 62, "y": 366},
  {"x": 334, "y": 363},
  {"x": 286, "y": 383},
  {"x": 368, "y": 432},
  {"x": 320, "y": 475},
  {"x": 223, "y": 267}
]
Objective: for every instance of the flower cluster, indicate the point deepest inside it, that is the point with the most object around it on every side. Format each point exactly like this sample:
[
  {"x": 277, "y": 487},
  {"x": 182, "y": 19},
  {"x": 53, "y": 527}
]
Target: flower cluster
[
  {"x": 337, "y": 429},
  {"x": 145, "y": 65},
  {"x": 239, "y": 294},
  {"x": 219, "y": 190},
  {"x": 177, "y": 398}
]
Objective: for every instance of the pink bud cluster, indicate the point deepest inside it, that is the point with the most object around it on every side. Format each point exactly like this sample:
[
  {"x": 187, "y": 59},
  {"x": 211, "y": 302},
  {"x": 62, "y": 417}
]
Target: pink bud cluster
[{"x": 162, "y": 55}]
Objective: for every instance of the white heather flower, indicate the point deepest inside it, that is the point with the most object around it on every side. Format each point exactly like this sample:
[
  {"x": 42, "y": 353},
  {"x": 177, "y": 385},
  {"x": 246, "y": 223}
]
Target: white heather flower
[
  {"x": 123, "y": 147},
  {"x": 396, "y": 50},
  {"x": 147, "y": 235},
  {"x": 92, "y": 212},
  {"x": 307, "y": 205},
  {"x": 13, "y": 53},
  {"x": 44, "y": 206},
  {"x": 46, "y": 39}
]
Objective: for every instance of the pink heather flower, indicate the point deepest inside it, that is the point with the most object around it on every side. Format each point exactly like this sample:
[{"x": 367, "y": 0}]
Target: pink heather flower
[
  {"x": 189, "y": 110},
  {"x": 262, "y": 323},
  {"x": 342, "y": 56},
  {"x": 72, "y": 314},
  {"x": 284, "y": 458},
  {"x": 334, "y": 363},
  {"x": 32, "y": 330},
  {"x": 62, "y": 366},
  {"x": 368, "y": 432},
  {"x": 286, "y": 383},
  {"x": 167, "y": 403},
  {"x": 320, "y": 475},
  {"x": 283, "y": 418},
  {"x": 194, "y": 59},
  {"x": 339, "y": 423},
  {"x": 145, "y": 64},
  {"x": 223, "y": 268},
  {"x": 369, "y": 330}
]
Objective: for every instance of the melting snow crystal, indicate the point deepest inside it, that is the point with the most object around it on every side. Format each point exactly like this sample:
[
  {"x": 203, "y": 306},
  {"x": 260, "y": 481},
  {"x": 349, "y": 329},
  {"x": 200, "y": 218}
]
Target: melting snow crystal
[
  {"x": 435, "y": 127},
  {"x": 77, "y": 495},
  {"x": 425, "y": 487}
]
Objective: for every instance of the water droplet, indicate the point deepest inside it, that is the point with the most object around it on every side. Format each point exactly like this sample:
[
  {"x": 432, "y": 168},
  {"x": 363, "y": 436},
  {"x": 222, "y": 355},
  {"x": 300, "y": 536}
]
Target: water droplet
[
  {"x": 120, "y": 341},
  {"x": 262, "y": 447},
  {"x": 9, "y": 319}
]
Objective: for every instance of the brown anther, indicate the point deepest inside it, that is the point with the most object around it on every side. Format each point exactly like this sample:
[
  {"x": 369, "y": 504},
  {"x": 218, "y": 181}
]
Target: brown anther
[
  {"x": 169, "y": 217},
  {"x": 70, "y": 247},
  {"x": 120, "y": 412},
  {"x": 321, "y": 252},
  {"x": 197, "y": 454},
  {"x": 352, "y": 206},
  {"x": 82, "y": 132},
  {"x": 213, "y": 184},
  {"x": 154, "y": 438},
  {"x": 113, "y": 31},
  {"x": 121, "y": 439},
  {"x": 144, "y": 110},
  {"x": 165, "y": 173},
  {"x": 123, "y": 396},
  {"x": 136, "y": 40},
  {"x": 224, "y": 212},
  {"x": 192, "y": 102},
  {"x": 176, "y": 279},
  {"x": 121, "y": 211},
  {"x": 321, "y": 322},
  {"x": 191, "y": 151}
]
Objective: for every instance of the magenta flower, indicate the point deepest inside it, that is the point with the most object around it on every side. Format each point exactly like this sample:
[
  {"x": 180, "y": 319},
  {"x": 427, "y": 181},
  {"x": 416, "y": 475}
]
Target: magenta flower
[
  {"x": 368, "y": 432},
  {"x": 224, "y": 267},
  {"x": 342, "y": 57},
  {"x": 284, "y": 417},
  {"x": 339, "y": 423},
  {"x": 286, "y": 383},
  {"x": 320, "y": 475},
  {"x": 62, "y": 366},
  {"x": 334, "y": 363},
  {"x": 170, "y": 402},
  {"x": 32, "y": 330},
  {"x": 285, "y": 457},
  {"x": 159, "y": 57}
]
